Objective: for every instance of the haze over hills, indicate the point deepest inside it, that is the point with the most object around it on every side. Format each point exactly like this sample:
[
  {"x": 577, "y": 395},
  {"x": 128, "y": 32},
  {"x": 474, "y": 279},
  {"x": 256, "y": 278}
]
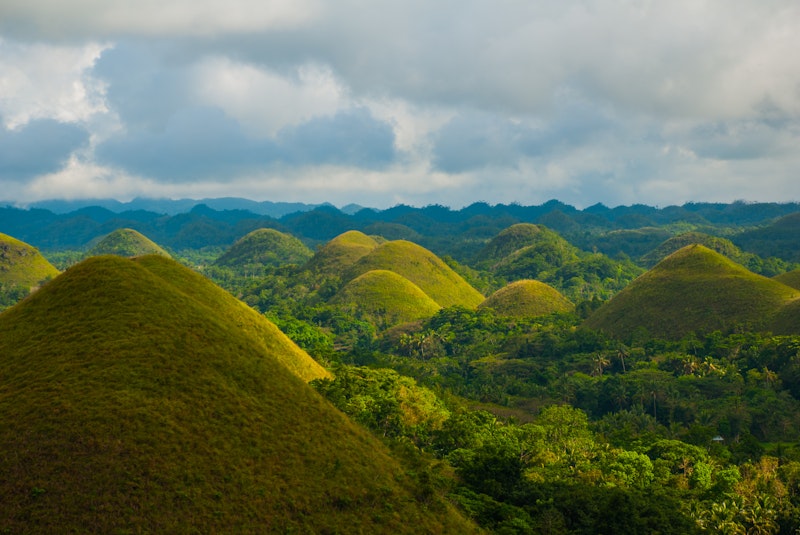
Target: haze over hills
[
  {"x": 694, "y": 289},
  {"x": 126, "y": 242},
  {"x": 135, "y": 400}
]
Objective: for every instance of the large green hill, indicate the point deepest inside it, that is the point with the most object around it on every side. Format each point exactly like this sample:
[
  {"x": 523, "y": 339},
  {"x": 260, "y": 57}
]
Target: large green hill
[
  {"x": 265, "y": 247},
  {"x": 341, "y": 252},
  {"x": 421, "y": 267},
  {"x": 721, "y": 245},
  {"x": 526, "y": 251},
  {"x": 126, "y": 242},
  {"x": 21, "y": 265},
  {"x": 527, "y": 298},
  {"x": 132, "y": 405},
  {"x": 385, "y": 298},
  {"x": 694, "y": 289}
]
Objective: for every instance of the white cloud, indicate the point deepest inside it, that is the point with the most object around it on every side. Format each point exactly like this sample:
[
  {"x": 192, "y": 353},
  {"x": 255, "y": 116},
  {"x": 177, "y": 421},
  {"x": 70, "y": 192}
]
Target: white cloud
[
  {"x": 42, "y": 81},
  {"x": 264, "y": 101}
]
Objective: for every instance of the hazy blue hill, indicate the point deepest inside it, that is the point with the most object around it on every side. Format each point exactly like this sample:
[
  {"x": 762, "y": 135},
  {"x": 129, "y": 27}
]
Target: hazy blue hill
[
  {"x": 694, "y": 289},
  {"x": 265, "y": 247},
  {"x": 126, "y": 242},
  {"x": 131, "y": 406}
]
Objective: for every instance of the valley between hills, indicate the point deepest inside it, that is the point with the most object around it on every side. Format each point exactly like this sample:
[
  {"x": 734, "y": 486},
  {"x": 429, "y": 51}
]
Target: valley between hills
[{"x": 500, "y": 369}]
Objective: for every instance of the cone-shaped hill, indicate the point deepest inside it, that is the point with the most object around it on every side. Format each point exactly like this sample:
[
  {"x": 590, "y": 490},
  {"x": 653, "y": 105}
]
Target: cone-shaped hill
[
  {"x": 126, "y": 242},
  {"x": 693, "y": 289},
  {"x": 527, "y": 298},
  {"x": 129, "y": 405},
  {"x": 385, "y": 298},
  {"x": 265, "y": 247},
  {"x": 341, "y": 252},
  {"x": 720, "y": 245},
  {"x": 524, "y": 250},
  {"x": 421, "y": 267},
  {"x": 792, "y": 278},
  {"x": 21, "y": 265}
]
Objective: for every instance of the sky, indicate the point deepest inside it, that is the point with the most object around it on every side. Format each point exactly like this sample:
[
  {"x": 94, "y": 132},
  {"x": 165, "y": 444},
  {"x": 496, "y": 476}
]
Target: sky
[{"x": 416, "y": 102}]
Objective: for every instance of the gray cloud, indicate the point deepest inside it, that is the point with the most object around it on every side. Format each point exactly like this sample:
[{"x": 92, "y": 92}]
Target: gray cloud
[
  {"x": 42, "y": 146},
  {"x": 600, "y": 100}
]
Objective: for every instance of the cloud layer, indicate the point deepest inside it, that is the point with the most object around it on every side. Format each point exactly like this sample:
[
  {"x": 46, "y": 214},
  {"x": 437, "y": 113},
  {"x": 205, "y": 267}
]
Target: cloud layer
[{"x": 599, "y": 101}]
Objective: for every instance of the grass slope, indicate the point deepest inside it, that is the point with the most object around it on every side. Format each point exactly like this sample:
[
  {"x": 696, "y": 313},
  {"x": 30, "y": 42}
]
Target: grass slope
[
  {"x": 694, "y": 289},
  {"x": 265, "y": 247},
  {"x": 421, "y": 267},
  {"x": 385, "y": 298},
  {"x": 341, "y": 252},
  {"x": 126, "y": 242},
  {"x": 792, "y": 278},
  {"x": 527, "y": 298},
  {"x": 131, "y": 407},
  {"x": 787, "y": 320},
  {"x": 263, "y": 331},
  {"x": 21, "y": 265}
]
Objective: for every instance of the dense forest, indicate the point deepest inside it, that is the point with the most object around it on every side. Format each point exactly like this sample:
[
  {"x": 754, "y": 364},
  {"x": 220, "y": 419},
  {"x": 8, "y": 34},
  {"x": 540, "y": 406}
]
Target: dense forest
[{"x": 547, "y": 369}]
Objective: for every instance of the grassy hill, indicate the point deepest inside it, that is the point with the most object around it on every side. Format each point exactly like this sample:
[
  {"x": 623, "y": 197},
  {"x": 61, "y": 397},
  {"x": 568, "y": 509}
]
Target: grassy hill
[
  {"x": 265, "y": 247},
  {"x": 132, "y": 406},
  {"x": 720, "y": 245},
  {"x": 694, "y": 289},
  {"x": 512, "y": 239},
  {"x": 341, "y": 252},
  {"x": 421, "y": 267},
  {"x": 792, "y": 278},
  {"x": 385, "y": 298},
  {"x": 126, "y": 242},
  {"x": 780, "y": 239},
  {"x": 527, "y": 298},
  {"x": 787, "y": 320},
  {"x": 526, "y": 251},
  {"x": 21, "y": 265}
]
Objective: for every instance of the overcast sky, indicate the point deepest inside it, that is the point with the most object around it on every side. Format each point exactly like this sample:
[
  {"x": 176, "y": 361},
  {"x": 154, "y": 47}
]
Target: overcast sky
[{"x": 416, "y": 101}]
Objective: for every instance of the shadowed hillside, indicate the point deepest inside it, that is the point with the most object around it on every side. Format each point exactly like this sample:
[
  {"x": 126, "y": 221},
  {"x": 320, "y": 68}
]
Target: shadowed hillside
[
  {"x": 720, "y": 245},
  {"x": 341, "y": 252},
  {"x": 265, "y": 247},
  {"x": 792, "y": 278},
  {"x": 421, "y": 267},
  {"x": 130, "y": 406},
  {"x": 385, "y": 298},
  {"x": 694, "y": 289},
  {"x": 527, "y": 298},
  {"x": 126, "y": 242}
]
